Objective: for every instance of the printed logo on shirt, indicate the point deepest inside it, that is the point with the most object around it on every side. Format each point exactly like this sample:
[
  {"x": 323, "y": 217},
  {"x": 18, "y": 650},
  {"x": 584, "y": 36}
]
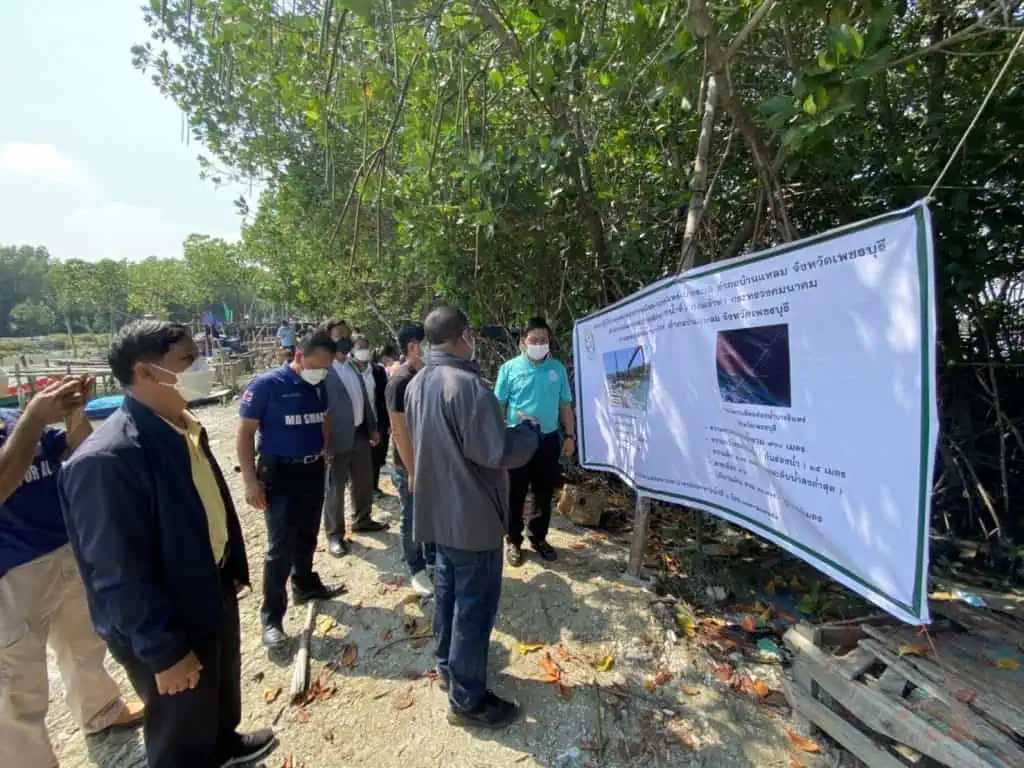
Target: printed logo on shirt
[
  {"x": 38, "y": 471},
  {"x": 247, "y": 396},
  {"x": 553, "y": 377},
  {"x": 298, "y": 419}
]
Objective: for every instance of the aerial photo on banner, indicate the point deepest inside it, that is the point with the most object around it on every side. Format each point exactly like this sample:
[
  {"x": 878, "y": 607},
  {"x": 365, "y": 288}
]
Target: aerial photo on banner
[{"x": 790, "y": 392}]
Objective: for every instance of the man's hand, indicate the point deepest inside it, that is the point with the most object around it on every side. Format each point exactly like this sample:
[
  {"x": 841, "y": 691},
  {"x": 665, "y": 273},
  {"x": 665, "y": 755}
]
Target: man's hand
[
  {"x": 255, "y": 494},
  {"x": 374, "y": 439},
  {"x": 183, "y": 676},
  {"x": 55, "y": 402},
  {"x": 569, "y": 446}
]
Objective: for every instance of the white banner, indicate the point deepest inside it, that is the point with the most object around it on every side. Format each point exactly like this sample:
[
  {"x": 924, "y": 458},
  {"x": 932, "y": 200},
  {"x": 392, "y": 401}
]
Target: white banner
[{"x": 790, "y": 392}]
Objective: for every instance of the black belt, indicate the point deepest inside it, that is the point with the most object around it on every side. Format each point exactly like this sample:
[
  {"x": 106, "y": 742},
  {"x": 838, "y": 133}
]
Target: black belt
[{"x": 311, "y": 459}]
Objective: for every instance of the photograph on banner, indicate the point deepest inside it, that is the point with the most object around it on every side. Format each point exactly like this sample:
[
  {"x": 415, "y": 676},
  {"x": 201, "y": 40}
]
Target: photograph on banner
[{"x": 790, "y": 392}]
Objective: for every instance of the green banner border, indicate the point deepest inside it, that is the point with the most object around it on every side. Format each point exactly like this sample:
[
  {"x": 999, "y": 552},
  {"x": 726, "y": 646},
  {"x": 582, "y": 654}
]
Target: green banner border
[{"x": 918, "y": 212}]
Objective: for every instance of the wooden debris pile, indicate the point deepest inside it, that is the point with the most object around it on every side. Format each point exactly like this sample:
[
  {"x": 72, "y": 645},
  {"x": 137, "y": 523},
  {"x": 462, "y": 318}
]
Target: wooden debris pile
[{"x": 892, "y": 694}]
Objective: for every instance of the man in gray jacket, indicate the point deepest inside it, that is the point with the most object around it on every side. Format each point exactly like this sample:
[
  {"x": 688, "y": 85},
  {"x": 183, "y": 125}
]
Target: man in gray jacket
[
  {"x": 352, "y": 433},
  {"x": 463, "y": 452}
]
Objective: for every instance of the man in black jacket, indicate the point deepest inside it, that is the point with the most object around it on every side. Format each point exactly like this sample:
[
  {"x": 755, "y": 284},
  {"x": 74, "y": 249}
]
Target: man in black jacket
[{"x": 160, "y": 549}]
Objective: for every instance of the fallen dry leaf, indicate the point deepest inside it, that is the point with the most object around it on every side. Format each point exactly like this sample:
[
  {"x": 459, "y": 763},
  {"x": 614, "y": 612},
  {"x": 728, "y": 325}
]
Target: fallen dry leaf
[
  {"x": 386, "y": 634},
  {"x": 914, "y": 649},
  {"x": 762, "y": 689},
  {"x": 662, "y": 677},
  {"x": 1007, "y": 663},
  {"x": 964, "y": 697},
  {"x": 646, "y": 639},
  {"x": 302, "y": 716},
  {"x": 319, "y": 691},
  {"x": 527, "y": 648},
  {"x": 550, "y": 667},
  {"x": 598, "y": 537},
  {"x": 270, "y": 694},
  {"x": 325, "y": 624},
  {"x": 258, "y": 677},
  {"x": 795, "y": 762},
  {"x": 724, "y": 673},
  {"x": 691, "y": 690},
  {"x": 563, "y": 691},
  {"x": 349, "y": 656},
  {"x": 409, "y": 599},
  {"x": 650, "y": 685},
  {"x": 805, "y": 745},
  {"x": 687, "y": 740},
  {"x": 750, "y": 623},
  {"x": 604, "y": 664},
  {"x": 431, "y": 674},
  {"x": 563, "y": 653},
  {"x": 411, "y": 626},
  {"x": 577, "y": 545},
  {"x": 403, "y": 699}
]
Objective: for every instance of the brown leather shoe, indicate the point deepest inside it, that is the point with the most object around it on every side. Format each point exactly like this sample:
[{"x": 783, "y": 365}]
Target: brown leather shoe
[{"x": 132, "y": 711}]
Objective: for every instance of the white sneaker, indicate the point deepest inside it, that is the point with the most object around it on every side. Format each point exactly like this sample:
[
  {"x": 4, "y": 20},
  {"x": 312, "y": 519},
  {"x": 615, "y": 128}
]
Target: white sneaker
[{"x": 421, "y": 583}]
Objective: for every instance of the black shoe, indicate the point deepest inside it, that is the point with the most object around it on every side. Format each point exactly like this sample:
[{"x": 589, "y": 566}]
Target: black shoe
[
  {"x": 514, "y": 554},
  {"x": 338, "y": 547},
  {"x": 248, "y": 747},
  {"x": 545, "y": 550},
  {"x": 319, "y": 592},
  {"x": 370, "y": 526},
  {"x": 492, "y": 712},
  {"x": 273, "y": 637}
]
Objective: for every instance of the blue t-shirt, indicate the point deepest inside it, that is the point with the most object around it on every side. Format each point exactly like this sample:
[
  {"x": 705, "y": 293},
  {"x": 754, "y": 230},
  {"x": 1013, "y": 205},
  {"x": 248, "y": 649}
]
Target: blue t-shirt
[
  {"x": 290, "y": 413},
  {"x": 533, "y": 389},
  {"x": 287, "y": 336},
  {"x": 31, "y": 524}
]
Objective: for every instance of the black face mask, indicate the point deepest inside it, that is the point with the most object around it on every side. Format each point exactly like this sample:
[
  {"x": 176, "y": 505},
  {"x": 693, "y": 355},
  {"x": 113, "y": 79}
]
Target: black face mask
[{"x": 345, "y": 345}]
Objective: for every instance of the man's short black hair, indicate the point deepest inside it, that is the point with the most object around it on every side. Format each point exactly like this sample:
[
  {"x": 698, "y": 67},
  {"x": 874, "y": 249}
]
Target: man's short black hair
[
  {"x": 537, "y": 324},
  {"x": 334, "y": 322},
  {"x": 142, "y": 341},
  {"x": 411, "y": 334},
  {"x": 318, "y": 339},
  {"x": 445, "y": 325},
  {"x": 388, "y": 350}
]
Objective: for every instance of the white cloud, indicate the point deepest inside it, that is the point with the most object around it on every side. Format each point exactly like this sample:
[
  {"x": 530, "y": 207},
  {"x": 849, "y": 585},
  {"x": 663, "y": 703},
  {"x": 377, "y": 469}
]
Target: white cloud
[{"x": 39, "y": 161}]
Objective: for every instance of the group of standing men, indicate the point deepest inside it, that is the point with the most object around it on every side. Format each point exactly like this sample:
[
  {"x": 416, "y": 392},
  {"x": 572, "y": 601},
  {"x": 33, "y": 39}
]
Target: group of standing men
[{"x": 134, "y": 544}]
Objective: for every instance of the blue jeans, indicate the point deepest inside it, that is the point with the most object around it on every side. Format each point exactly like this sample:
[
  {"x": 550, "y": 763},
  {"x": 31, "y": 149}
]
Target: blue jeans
[
  {"x": 467, "y": 588},
  {"x": 415, "y": 556}
]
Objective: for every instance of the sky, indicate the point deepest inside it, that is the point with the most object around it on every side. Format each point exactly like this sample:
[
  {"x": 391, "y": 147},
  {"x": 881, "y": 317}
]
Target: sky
[{"x": 92, "y": 162}]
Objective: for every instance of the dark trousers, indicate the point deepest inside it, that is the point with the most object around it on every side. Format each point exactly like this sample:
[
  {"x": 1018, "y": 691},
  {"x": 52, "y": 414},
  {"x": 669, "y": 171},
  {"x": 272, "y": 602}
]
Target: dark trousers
[
  {"x": 194, "y": 728},
  {"x": 380, "y": 457},
  {"x": 416, "y": 556},
  {"x": 353, "y": 467},
  {"x": 541, "y": 476},
  {"x": 467, "y": 588},
  {"x": 295, "y": 498}
]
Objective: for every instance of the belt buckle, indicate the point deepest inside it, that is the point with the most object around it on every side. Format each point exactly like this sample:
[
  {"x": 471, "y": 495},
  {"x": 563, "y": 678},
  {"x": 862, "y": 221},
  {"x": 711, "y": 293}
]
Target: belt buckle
[{"x": 310, "y": 459}]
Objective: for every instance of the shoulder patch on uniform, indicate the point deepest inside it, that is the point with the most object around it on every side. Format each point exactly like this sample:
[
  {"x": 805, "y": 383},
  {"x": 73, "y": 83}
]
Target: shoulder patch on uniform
[{"x": 247, "y": 396}]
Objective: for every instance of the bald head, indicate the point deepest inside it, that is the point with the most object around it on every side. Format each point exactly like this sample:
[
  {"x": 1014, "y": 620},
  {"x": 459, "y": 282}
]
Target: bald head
[{"x": 445, "y": 325}]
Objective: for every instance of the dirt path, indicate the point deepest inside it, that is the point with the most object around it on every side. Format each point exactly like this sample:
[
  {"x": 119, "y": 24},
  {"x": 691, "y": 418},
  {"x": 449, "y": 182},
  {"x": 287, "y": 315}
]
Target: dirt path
[{"x": 386, "y": 712}]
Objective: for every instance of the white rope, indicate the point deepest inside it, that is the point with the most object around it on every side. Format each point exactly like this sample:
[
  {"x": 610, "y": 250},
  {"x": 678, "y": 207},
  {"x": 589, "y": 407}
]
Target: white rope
[{"x": 977, "y": 115}]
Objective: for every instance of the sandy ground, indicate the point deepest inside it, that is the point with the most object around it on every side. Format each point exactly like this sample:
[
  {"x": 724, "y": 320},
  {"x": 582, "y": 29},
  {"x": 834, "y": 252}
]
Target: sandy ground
[{"x": 384, "y": 710}]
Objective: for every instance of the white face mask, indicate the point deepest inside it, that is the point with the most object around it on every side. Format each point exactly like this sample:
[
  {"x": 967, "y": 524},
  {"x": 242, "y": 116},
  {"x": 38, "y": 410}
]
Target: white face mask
[
  {"x": 472, "y": 347},
  {"x": 194, "y": 383},
  {"x": 313, "y": 376},
  {"x": 537, "y": 351},
  {"x": 363, "y": 355}
]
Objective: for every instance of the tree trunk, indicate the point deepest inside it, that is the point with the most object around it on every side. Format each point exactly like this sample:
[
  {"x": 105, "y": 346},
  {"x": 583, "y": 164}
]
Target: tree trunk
[
  {"x": 71, "y": 337},
  {"x": 699, "y": 182}
]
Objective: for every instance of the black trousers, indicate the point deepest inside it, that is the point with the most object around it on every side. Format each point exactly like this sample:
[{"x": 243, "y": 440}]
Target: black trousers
[
  {"x": 541, "y": 476},
  {"x": 380, "y": 456},
  {"x": 196, "y": 728},
  {"x": 295, "y": 498}
]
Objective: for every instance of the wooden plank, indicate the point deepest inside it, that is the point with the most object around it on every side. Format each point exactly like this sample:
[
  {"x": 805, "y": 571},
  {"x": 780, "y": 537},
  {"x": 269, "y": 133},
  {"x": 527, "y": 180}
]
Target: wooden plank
[
  {"x": 859, "y": 743},
  {"x": 879, "y": 713},
  {"x": 955, "y": 671},
  {"x": 892, "y": 683},
  {"x": 639, "y": 542},
  {"x": 856, "y": 663}
]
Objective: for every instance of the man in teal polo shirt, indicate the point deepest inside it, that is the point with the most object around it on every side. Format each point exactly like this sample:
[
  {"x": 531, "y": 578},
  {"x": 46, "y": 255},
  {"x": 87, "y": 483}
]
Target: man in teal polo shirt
[{"x": 536, "y": 386}]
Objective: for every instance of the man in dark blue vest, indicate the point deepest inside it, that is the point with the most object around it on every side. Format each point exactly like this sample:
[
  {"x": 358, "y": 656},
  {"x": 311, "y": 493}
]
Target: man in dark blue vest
[
  {"x": 285, "y": 407},
  {"x": 160, "y": 550}
]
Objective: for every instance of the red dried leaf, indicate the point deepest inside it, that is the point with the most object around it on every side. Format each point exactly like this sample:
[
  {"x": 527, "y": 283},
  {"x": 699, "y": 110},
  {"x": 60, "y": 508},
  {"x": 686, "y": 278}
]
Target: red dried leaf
[
  {"x": 662, "y": 677},
  {"x": 724, "y": 673},
  {"x": 805, "y": 745},
  {"x": 577, "y": 545}
]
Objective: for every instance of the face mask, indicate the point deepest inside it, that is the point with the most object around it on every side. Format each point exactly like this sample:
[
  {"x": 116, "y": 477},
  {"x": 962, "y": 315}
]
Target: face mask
[
  {"x": 194, "y": 383},
  {"x": 313, "y": 376},
  {"x": 363, "y": 355},
  {"x": 537, "y": 351},
  {"x": 472, "y": 347},
  {"x": 345, "y": 345}
]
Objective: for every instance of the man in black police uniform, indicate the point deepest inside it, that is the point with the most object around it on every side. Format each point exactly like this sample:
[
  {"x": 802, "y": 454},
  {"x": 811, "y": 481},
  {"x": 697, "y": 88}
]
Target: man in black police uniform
[{"x": 286, "y": 407}]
